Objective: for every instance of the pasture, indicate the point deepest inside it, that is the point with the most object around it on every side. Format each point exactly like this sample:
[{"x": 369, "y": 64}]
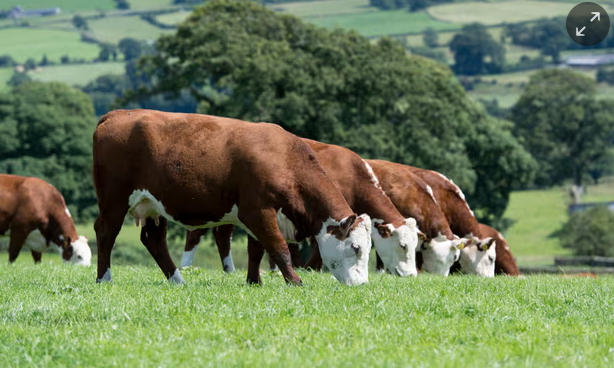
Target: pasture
[
  {"x": 54, "y": 315},
  {"x": 22, "y": 44},
  {"x": 66, "y": 6},
  {"x": 113, "y": 29},
  {"x": 77, "y": 74}
]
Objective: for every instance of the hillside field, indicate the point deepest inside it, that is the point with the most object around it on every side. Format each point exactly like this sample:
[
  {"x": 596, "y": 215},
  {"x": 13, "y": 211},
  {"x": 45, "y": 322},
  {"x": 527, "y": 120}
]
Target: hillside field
[
  {"x": 54, "y": 315},
  {"x": 66, "y": 6}
]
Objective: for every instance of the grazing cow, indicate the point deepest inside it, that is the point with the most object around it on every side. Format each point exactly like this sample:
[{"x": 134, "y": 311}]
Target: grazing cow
[
  {"x": 504, "y": 263},
  {"x": 33, "y": 212},
  {"x": 478, "y": 258},
  {"x": 394, "y": 236},
  {"x": 411, "y": 197},
  {"x": 204, "y": 171}
]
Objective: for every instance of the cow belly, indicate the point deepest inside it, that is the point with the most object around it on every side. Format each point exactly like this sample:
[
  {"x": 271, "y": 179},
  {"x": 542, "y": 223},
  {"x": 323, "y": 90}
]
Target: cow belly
[
  {"x": 35, "y": 240},
  {"x": 143, "y": 205}
]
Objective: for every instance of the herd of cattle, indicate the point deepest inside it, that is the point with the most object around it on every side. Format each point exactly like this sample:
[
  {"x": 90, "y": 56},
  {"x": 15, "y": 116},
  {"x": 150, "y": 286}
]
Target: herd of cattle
[{"x": 205, "y": 172}]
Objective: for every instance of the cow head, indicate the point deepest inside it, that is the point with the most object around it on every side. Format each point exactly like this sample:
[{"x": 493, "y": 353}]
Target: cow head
[
  {"x": 77, "y": 252},
  {"x": 479, "y": 258},
  {"x": 345, "y": 246},
  {"x": 440, "y": 253},
  {"x": 397, "y": 246}
]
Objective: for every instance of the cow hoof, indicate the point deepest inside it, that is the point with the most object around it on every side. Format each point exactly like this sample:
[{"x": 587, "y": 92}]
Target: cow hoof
[{"x": 177, "y": 278}]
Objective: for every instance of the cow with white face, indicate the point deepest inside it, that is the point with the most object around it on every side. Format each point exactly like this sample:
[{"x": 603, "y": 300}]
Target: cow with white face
[
  {"x": 203, "y": 171},
  {"x": 33, "y": 213},
  {"x": 479, "y": 259},
  {"x": 394, "y": 236},
  {"x": 440, "y": 253}
]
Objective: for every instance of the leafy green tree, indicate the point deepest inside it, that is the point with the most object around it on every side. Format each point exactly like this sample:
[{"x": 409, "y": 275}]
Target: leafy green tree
[
  {"x": 589, "y": 233},
  {"x": 476, "y": 52},
  {"x": 7, "y": 61},
  {"x": 18, "y": 78},
  {"x": 45, "y": 131},
  {"x": 562, "y": 124},
  {"x": 430, "y": 37},
  {"x": 107, "y": 52},
  {"x": 122, "y": 4},
  {"x": 131, "y": 48},
  {"x": 241, "y": 60},
  {"x": 80, "y": 23},
  {"x": 30, "y": 64}
]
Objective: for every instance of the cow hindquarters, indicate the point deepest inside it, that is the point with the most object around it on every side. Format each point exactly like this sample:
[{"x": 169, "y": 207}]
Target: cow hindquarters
[{"x": 153, "y": 238}]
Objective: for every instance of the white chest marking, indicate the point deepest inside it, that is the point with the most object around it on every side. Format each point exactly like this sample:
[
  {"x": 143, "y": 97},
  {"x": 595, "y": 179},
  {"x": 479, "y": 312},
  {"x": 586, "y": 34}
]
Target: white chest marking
[
  {"x": 374, "y": 179},
  {"x": 67, "y": 212},
  {"x": 429, "y": 190}
]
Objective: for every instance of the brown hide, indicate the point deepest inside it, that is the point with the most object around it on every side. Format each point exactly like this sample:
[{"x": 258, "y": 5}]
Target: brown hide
[
  {"x": 28, "y": 204},
  {"x": 452, "y": 203},
  {"x": 409, "y": 195},
  {"x": 505, "y": 262},
  {"x": 198, "y": 167}
]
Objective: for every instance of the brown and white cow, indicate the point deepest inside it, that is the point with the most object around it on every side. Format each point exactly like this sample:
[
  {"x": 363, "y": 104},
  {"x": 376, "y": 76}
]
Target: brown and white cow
[
  {"x": 478, "y": 258},
  {"x": 204, "y": 171},
  {"x": 33, "y": 212},
  {"x": 411, "y": 197},
  {"x": 505, "y": 264},
  {"x": 395, "y": 237}
]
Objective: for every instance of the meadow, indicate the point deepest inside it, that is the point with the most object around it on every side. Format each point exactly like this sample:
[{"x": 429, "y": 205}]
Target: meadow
[
  {"x": 23, "y": 44},
  {"x": 54, "y": 315},
  {"x": 66, "y": 6}
]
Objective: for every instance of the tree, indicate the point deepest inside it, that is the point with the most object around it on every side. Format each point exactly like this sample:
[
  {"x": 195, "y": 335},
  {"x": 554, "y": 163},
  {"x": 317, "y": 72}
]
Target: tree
[
  {"x": 45, "y": 131},
  {"x": 131, "y": 48},
  {"x": 476, "y": 52},
  {"x": 7, "y": 61},
  {"x": 562, "y": 124},
  {"x": 18, "y": 79},
  {"x": 552, "y": 38},
  {"x": 30, "y": 64},
  {"x": 80, "y": 23},
  {"x": 241, "y": 60},
  {"x": 122, "y": 4},
  {"x": 430, "y": 37},
  {"x": 107, "y": 51},
  {"x": 589, "y": 233},
  {"x": 44, "y": 61}
]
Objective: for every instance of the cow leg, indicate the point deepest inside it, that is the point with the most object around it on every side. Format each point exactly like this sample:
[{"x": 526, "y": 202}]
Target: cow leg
[
  {"x": 154, "y": 239},
  {"x": 272, "y": 265},
  {"x": 263, "y": 224},
  {"x": 192, "y": 238},
  {"x": 107, "y": 227},
  {"x": 37, "y": 256},
  {"x": 295, "y": 254},
  {"x": 315, "y": 262},
  {"x": 18, "y": 238},
  {"x": 379, "y": 265},
  {"x": 223, "y": 237},
  {"x": 255, "y": 252}
]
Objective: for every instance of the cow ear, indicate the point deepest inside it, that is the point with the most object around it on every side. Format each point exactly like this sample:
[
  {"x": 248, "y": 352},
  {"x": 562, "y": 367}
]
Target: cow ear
[
  {"x": 346, "y": 224},
  {"x": 385, "y": 231},
  {"x": 487, "y": 244}
]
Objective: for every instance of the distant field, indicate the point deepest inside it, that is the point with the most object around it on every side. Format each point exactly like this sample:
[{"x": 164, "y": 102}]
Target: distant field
[
  {"x": 113, "y": 29},
  {"x": 24, "y": 43},
  {"x": 324, "y": 8},
  {"x": 149, "y": 4},
  {"x": 383, "y": 22},
  {"x": 173, "y": 18},
  {"x": 77, "y": 74},
  {"x": 66, "y": 6},
  {"x": 500, "y": 11}
]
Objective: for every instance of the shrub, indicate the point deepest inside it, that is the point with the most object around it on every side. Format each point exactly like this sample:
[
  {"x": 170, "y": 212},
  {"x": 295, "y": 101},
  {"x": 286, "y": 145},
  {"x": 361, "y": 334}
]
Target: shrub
[{"x": 589, "y": 233}]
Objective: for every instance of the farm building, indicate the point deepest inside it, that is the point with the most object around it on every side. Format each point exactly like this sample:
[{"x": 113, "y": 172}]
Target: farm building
[
  {"x": 589, "y": 61},
  {"x": 18, "y": 12}
]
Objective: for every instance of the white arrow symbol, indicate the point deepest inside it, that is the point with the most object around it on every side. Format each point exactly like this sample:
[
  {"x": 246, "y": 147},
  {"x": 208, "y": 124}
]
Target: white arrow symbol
[
  {"x": 597, "y": 15},
  {"x": 579, "y": 33}
]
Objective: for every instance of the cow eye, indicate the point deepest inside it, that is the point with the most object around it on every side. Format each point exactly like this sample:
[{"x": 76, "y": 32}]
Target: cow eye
[
  {"x": 404, "y": 246},
  {"x": 79, "y": 257},
  {"x": 491, "y": 259},
  {"x": 356, "y": 248}
]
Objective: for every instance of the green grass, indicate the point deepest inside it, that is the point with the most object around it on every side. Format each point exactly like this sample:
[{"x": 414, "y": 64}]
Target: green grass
[
  {"x": 22, "y": 44},
  {"x": 324, "y": 7},
  {"x": 173, "y": 18},
  {"x": 499, "y": 12},
  {"x": 52, "y": 315},
  {"x": 77, "y": 74},
  {"x": 113, "y": 29},
  {"x": 149, "y": 4},
  {"x": 66, "y": 6},
  {"x": 383, "y": 22}
]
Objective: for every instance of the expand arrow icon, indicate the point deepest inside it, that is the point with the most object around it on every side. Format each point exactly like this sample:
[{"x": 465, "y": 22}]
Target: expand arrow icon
[
  {"x": 579, "y": 33},
  {"x": 597, "y": 15}
]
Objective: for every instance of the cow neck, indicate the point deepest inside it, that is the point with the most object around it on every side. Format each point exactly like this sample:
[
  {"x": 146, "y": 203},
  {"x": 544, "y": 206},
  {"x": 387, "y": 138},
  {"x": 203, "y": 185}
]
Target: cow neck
[
  {"x": 321, "y": 201},
  {"x": 374, "y": 202},
  {"x": 60, "y": 226}
]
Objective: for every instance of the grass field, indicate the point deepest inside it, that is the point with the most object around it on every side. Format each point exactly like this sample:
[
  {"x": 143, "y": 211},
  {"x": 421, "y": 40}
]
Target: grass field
[
  {"x": 173, "y": 18},
  {"x": 324, "y": 8},
  {"x": 383, "y": 22},
  {"x": 500, "y": 11},
  {"x": 22, "y": 44},
  {"x": 113, "y": 29},
  {"x": 149, "y": 4},
  {"x": 51, "y": 315},
  {"x": 77, "y": 74},
  {"x": 66, "y": 6}
]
